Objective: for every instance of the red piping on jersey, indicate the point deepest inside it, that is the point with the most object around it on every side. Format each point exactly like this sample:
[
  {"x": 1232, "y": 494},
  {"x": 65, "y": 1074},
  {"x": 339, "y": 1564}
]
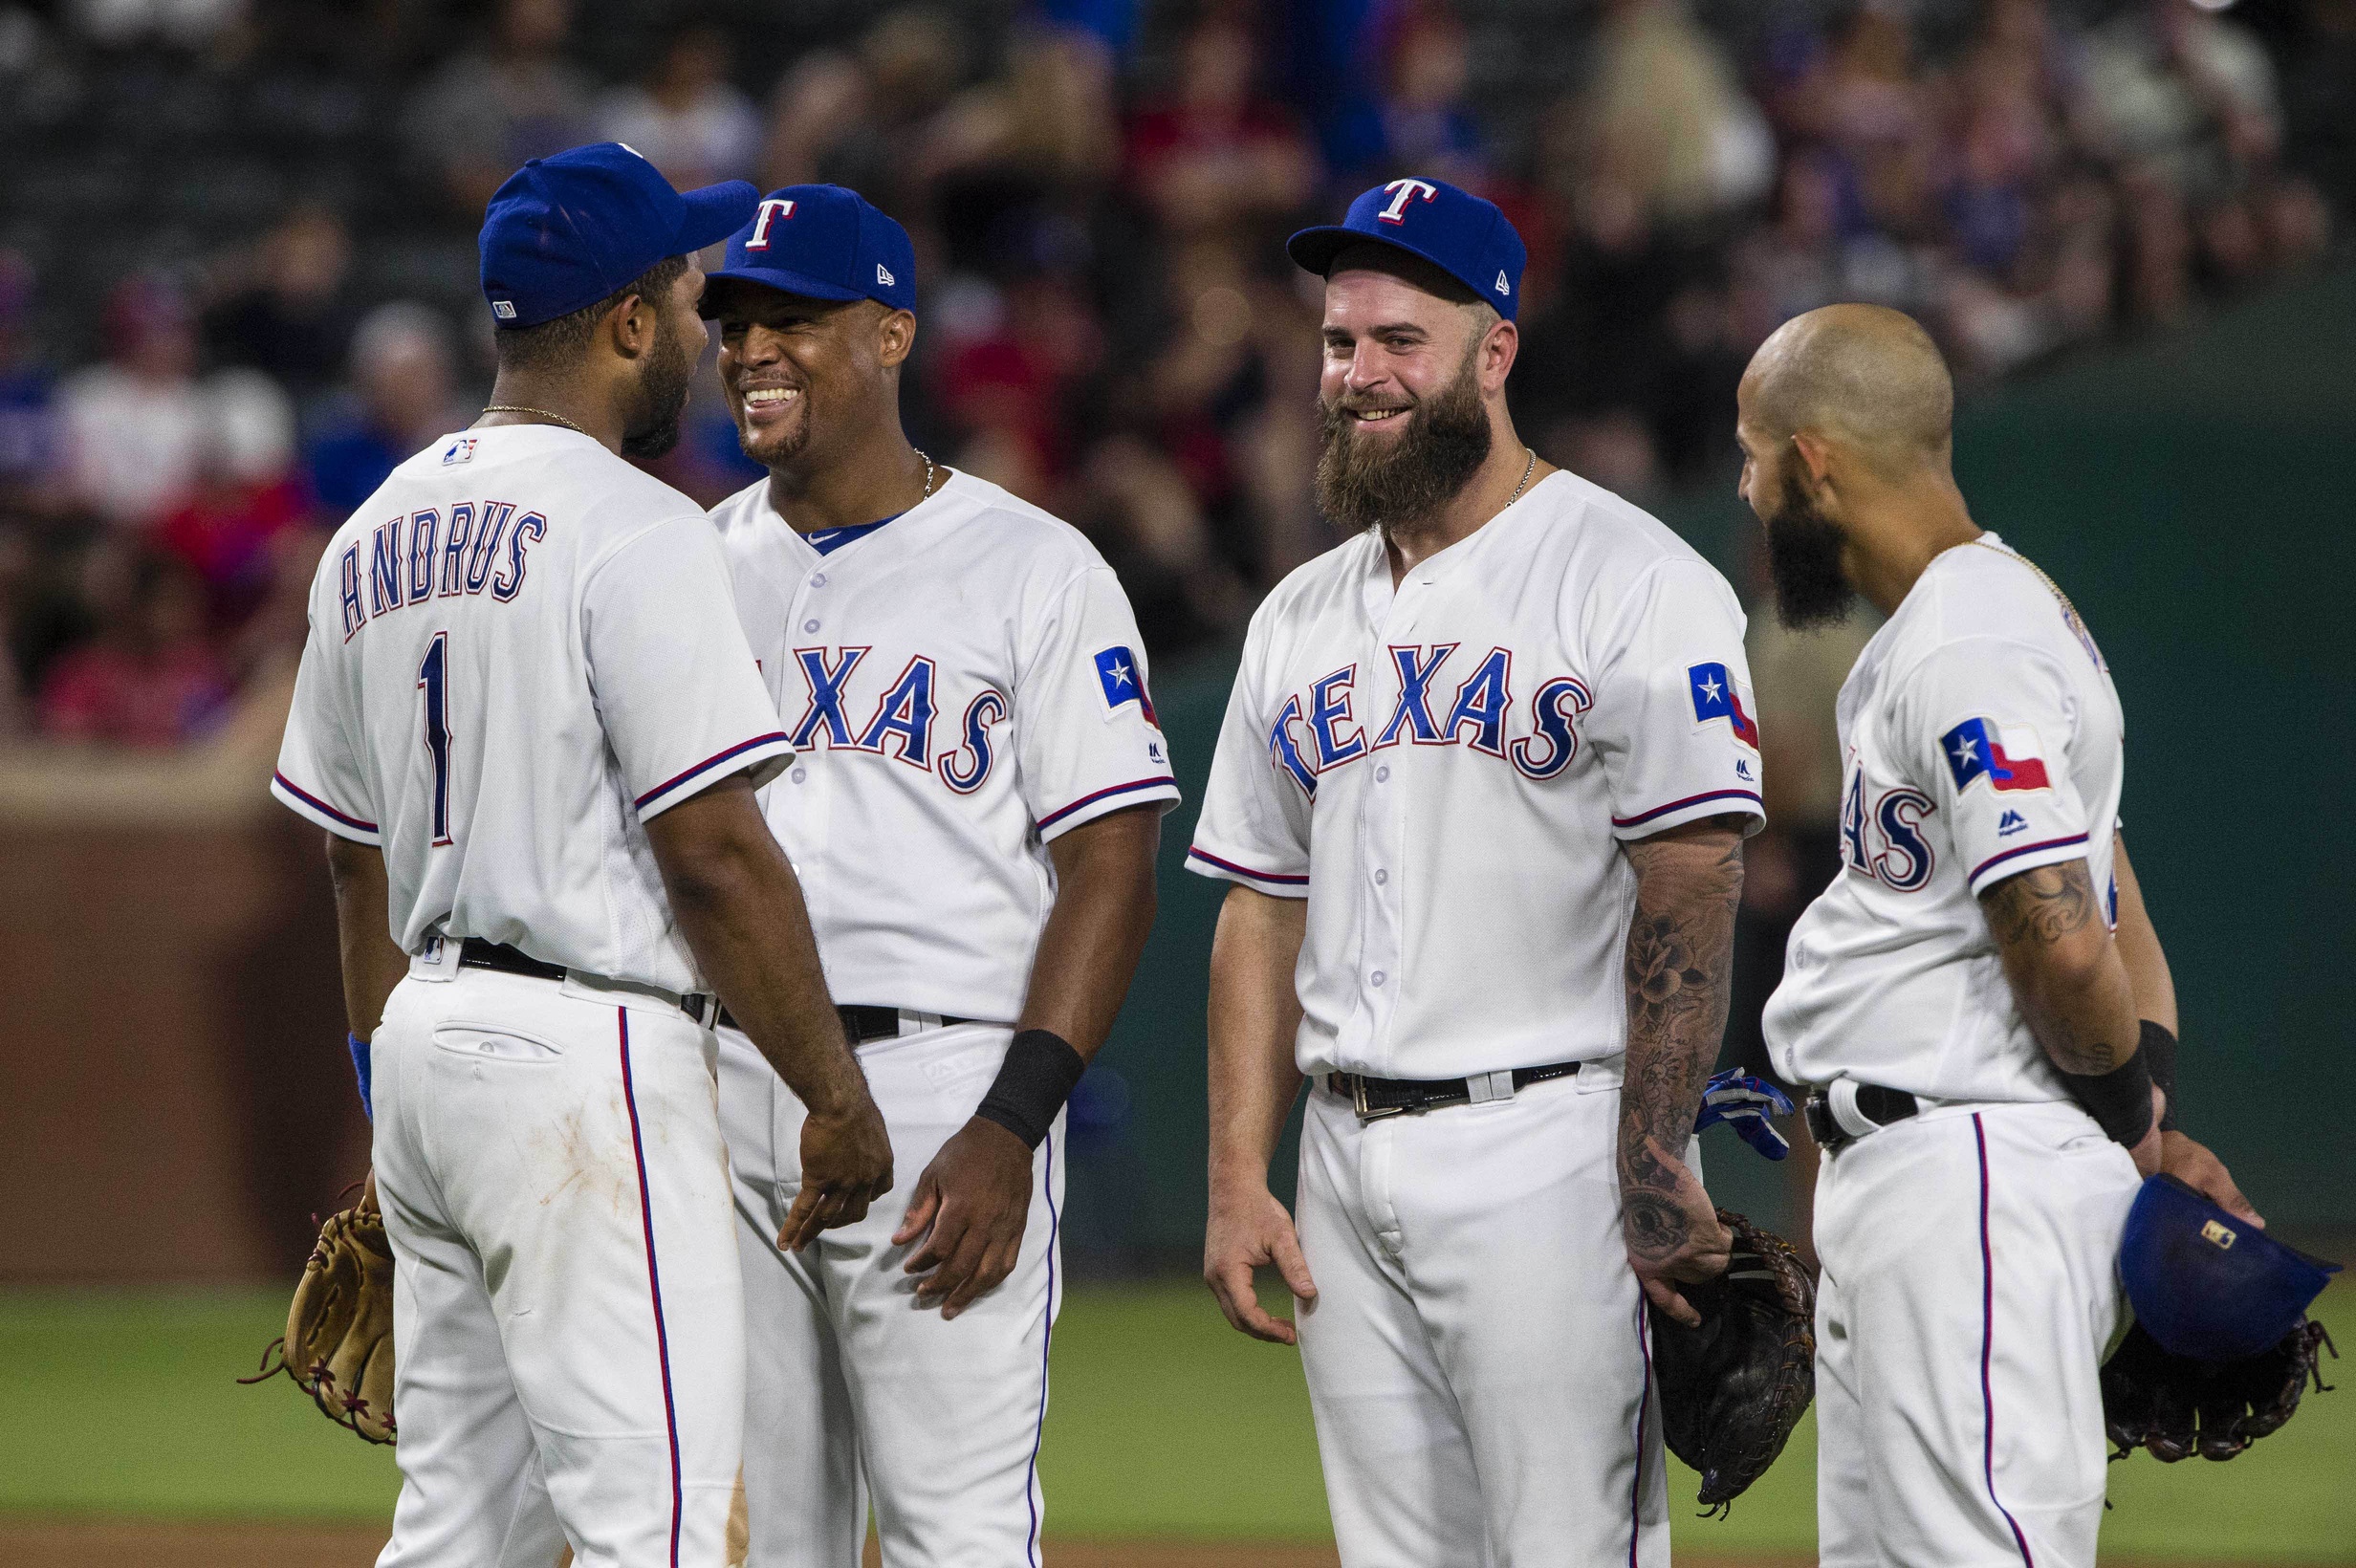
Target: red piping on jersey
[
  {"x": 654, "y": 1278},
  {"x": 1643, "y": 1407},
  {"x": 1751, "y": 795},
  {"x": 316, "y": 804},
  {"x": 1053, "y": 817},
  {"x": 709, "y": 763},
  {"x": 2024, "y": 849},
  {"x": 1196, "y": 852},
  {"x": 1987, "y": 1347},
  {"x": 1047, "y": 1341}
]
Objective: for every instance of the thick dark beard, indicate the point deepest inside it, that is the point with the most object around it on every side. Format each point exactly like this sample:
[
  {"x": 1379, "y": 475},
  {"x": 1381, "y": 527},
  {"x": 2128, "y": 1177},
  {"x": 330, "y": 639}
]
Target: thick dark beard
[
  {"x": 663, "y": 396},
  {"x": 1803, "y": 557},
  {"x": 1363, "y": 482}
]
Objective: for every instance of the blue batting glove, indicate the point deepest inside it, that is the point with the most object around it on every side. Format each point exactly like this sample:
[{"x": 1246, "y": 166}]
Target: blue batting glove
[
  {"x": 359, "y": 1067},
  {"x": 1748, "y": 1105}
]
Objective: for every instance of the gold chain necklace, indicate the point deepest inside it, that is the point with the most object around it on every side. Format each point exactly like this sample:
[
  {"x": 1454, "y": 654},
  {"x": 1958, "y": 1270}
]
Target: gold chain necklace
[
  {"x": 2052, "y": 587},
  {"x": 541, "y": 413},
  {"x": 919, "y": 451}
]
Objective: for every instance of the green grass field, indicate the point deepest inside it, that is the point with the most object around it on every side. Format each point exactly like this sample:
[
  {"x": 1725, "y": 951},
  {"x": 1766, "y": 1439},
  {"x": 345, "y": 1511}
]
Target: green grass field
[{"x": 1165, "y": 1424}]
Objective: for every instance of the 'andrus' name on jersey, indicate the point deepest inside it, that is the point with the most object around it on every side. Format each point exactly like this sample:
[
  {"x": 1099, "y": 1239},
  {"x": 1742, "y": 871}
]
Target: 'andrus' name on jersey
[{"x": 436, "y": 555}]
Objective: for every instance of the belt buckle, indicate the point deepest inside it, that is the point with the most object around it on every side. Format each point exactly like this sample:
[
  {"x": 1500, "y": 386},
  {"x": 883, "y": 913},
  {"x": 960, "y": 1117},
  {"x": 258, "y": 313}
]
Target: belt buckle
[{"x": 1366, "y": 1112}]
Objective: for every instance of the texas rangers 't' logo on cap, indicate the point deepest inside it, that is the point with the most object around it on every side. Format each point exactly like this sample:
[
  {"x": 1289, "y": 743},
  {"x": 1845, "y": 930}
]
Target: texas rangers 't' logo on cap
[{"x": 1456, "y": 230}]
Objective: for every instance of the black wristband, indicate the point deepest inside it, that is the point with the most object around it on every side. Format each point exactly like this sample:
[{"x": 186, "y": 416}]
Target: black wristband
[
  {"x": 2120, "y": 1099},
  {"x": 2159, "y": 1049},
  {"x": 1040, "y": 1073}
]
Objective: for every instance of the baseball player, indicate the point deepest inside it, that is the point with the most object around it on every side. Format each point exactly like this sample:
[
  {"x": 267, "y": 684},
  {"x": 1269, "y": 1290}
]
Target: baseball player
[
  {"x": 973, "y": 809},
  {"x": 1978, "y": 998},
  {"x": 1482, "y": 790},
  {"x": 493, "y": 724}
]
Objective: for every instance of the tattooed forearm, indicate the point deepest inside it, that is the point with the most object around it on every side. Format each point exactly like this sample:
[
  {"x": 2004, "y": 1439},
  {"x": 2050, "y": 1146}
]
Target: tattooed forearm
[
  {"x": 2065, "y": 972},
  {"x": 1677, "y": 971},
  {"x": 2044, "y": 904}
]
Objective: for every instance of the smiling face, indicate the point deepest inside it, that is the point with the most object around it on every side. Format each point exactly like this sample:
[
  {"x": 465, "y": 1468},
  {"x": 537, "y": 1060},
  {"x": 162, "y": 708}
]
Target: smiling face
[
  {"x": 1404, "y": 395},
  {"x": 803, "y": 376}
]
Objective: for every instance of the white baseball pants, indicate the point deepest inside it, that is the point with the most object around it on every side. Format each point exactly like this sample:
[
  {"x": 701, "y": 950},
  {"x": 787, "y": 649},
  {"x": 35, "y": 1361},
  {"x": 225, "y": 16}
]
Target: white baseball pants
[
  {"x": 854, "y": 1392},
  {"x": 1969, "y": 1293},
  {"x": 1477, "y": 1355},
  {"x": 568, "y": 1316}
]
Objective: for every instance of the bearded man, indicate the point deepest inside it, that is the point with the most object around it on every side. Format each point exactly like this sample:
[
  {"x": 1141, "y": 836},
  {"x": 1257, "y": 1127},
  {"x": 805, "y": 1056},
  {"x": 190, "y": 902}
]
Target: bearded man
[{"x": 1482, "y": 792}]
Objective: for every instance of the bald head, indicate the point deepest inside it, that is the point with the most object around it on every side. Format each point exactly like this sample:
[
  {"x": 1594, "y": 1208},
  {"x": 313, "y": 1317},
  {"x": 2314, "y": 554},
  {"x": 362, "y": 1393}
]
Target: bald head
[{"x": 1861, "y": 376}]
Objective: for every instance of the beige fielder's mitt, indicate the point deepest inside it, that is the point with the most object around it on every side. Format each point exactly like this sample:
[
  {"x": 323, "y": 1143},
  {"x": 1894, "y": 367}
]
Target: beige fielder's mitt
[{"x": 339, "y": 1345}]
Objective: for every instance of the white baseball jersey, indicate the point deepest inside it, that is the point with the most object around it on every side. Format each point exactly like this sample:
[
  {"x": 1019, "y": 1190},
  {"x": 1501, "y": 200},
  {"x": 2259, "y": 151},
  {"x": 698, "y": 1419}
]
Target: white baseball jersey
[
  {"x": 1982, "y": 737},
  {"x": 1446, "y": 770},
  {"x": 520, "y": 651},
  {"x": 962, "y": 684}
]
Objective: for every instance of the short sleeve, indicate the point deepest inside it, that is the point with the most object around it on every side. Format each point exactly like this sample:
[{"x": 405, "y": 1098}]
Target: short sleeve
[
  {"x": 1984, "y": 726},
  {"x": 1255, "y": 823},
  {"x": 676, "y": 687},
  {"x": 1085, "y": 733},
  {"x": 320, "y": 774},
  {"x": 1672, "y": 719}
]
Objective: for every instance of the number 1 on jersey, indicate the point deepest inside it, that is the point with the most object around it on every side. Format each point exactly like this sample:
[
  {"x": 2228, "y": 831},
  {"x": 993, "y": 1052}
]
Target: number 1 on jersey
[{"x": 432, "y": 680}]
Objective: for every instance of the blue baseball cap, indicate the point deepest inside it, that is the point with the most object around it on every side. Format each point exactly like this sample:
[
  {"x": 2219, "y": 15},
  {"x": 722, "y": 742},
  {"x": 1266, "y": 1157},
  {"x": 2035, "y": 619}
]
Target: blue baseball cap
[
  {"x": 2208, "y": 1285},
  {"x": 824, "y": 241},
  {"x": 566, "y": 232},
  {"x": 1464, "y": 236}
]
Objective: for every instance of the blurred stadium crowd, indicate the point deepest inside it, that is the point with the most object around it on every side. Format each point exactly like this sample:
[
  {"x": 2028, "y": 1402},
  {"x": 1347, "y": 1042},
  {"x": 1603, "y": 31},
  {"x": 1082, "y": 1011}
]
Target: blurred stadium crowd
[{"x": 238, "y": 268}]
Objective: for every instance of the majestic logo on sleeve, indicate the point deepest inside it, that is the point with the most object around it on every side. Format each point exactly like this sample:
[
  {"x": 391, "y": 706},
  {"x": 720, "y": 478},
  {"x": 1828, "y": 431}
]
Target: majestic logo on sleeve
[
  {"x": 1714, "y": 697},
  {"x": 1117, "y": 673},
  {"x": 2006, "y": 755}
]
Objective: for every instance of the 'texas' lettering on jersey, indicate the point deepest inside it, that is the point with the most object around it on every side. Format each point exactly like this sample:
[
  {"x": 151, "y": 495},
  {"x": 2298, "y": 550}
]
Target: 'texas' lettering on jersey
[
  {"x": 1317, "y": 731},
  {"x": 901, "y": 721},
  {"x": 436, "y": 554}
]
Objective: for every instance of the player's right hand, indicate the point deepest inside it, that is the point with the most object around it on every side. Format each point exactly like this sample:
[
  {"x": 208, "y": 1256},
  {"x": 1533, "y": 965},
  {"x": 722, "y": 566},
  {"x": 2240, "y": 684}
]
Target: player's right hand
[
  {"x": 2191, "y": 1163},
  {"x": 846, "y": 1164},
  {"x": 1250, "y": 1230},
  {"x": 1672, "y": 1234}
]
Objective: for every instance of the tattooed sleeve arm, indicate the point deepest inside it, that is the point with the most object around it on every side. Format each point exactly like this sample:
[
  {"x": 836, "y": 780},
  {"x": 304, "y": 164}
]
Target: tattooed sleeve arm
[
  {"x": 2065, "y": 971},
  {"x": 1677, "y": 971}
]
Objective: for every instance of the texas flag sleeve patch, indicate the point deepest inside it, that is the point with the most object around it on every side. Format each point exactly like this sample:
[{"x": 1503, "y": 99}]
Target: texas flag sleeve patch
[
  {"x": 1117, "y": 673},
  {"x": 1714, "y": 697},
  {"x": 2006, "y": 755}
]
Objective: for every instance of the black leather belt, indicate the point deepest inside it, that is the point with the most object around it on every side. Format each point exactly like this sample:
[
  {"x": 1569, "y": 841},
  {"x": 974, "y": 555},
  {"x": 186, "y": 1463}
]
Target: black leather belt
[
  {"x": 475, "y": 954},
  {"x": 1376, "y": 1097},
  {"x": 1876, "y": 1105},
  {"x": 861, "y": 1023}
]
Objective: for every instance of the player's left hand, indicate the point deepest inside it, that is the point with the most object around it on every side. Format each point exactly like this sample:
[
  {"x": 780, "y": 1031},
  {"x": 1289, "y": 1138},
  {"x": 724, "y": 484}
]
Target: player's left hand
[
  {"x": 2191, "y": 1163},
  {"x": 1672, "y": 1234},
  {"x": 969, "y": 1205}
]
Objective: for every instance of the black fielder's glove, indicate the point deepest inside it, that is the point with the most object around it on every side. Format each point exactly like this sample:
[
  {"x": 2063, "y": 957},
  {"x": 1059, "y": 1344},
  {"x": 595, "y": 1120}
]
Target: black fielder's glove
[
  {"x": 2177, "y": 1406},
  {"x": 1733, "y": 1389}
]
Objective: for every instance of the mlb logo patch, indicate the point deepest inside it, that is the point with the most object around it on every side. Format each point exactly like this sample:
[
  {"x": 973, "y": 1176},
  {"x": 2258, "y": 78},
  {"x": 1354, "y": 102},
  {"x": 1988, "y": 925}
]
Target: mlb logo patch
[
  {"x": 1714, "y": 697},
  {"x": 461, "y": 450},
  {"x": 503, "y": 309},
  {"x": 1116, "y": 671},
  {"x": 2006, "y": 755}
]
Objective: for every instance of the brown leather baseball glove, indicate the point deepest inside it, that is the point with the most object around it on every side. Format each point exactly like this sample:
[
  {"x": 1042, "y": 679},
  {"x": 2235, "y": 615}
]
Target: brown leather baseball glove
[
  {"x": 1733, "y": 1389},
  {"x": 2177, "y": 1406},
  {"x": 339, "y": 1345}
]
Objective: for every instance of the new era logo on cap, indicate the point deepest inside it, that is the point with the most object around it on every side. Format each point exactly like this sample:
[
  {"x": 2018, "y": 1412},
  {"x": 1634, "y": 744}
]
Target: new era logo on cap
[
  {"x": 883, "y": 275},
  {"x": 1466, "y": 237}
]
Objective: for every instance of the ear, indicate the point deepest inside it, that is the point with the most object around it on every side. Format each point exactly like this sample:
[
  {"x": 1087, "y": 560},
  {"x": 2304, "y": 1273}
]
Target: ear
[
  {"x": 1816, "y": 458},
  {"x": 630, "y": 326},
  {"x": 1499, "y": 346},
  {"x": 895, "y": 338}
]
